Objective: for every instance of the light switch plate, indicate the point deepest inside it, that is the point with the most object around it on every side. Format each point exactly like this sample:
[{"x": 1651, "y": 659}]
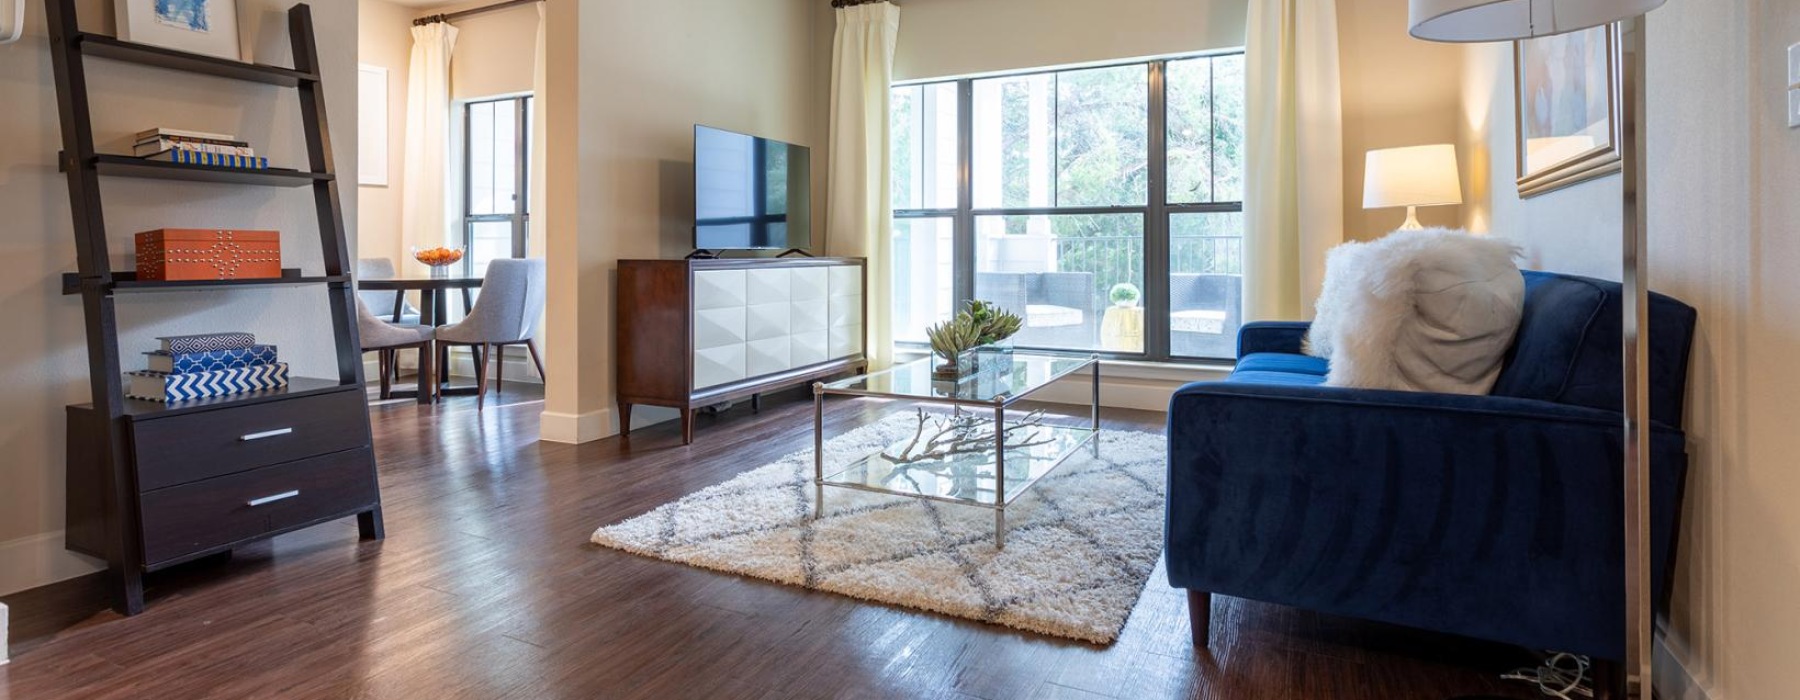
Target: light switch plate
[{"x": 1794, "y": 66}]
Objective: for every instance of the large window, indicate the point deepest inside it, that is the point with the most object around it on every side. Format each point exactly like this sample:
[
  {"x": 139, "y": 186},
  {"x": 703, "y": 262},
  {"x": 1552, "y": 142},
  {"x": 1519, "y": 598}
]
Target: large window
[
  {"x": 496, "y": 171},
  {"x": 1101, "y": 204}
]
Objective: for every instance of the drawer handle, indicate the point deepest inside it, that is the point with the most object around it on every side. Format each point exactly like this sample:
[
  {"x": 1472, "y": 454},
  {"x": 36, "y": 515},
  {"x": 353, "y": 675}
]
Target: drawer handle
[
  {"x": 266, "y": 434},
  {"x": 265, "y": 500}
]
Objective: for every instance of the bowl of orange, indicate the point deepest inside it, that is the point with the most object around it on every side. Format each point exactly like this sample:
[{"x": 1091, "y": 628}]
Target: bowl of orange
[{"x": 439, "y": 259}]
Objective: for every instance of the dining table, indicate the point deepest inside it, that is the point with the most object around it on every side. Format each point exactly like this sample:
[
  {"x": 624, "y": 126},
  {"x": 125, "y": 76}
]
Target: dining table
[{"x": 434, "y": 306}]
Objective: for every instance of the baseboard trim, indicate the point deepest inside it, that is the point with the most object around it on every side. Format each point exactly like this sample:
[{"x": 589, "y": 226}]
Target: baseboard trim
[
  {"x": 1670, "y": 677},
  {"x": 518, "y": 367},
  {"x": 576, "y": 428},
  {"x": 39, "y": 560}
]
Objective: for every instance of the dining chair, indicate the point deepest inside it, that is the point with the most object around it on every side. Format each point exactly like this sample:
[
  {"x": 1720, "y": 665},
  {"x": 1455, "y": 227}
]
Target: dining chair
[
  {"x": 506, "y": 313},
  {"x": 392, "y": 304},
  {"x": 388, "y": 339}
]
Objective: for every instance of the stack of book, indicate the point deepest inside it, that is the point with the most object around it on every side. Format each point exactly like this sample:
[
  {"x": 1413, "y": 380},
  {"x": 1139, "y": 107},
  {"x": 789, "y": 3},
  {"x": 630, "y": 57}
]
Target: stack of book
[
  {"x": 196, "y": 148},
  {"x": 200, "y": 366}
]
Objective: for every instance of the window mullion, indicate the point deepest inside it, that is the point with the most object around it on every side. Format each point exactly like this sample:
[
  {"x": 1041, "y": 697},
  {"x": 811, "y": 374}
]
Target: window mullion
[
  {"x": 1156, "y": 219},
  {"x": 963, "y": 227}
]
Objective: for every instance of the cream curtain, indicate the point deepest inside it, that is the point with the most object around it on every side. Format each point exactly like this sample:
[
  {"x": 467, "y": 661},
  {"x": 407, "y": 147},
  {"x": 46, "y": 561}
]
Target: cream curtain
[
  {"x": 1294, "y": 155},
  {"x": 858, "y": 213},
  {"x": 424, "y": 201}
]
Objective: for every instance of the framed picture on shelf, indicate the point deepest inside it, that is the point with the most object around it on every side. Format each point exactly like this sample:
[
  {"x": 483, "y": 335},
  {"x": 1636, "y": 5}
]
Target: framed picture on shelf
[
  {"x": 1566, "y": 90},
  {"x": 207, "y": 27}
]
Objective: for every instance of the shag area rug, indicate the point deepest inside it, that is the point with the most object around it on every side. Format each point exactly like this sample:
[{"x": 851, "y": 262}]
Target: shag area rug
[{"x": 1079, "y": 545}]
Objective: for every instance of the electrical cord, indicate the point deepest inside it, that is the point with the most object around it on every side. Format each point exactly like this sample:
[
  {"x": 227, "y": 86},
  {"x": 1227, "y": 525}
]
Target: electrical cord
[{"x": 1562, "y": 676}]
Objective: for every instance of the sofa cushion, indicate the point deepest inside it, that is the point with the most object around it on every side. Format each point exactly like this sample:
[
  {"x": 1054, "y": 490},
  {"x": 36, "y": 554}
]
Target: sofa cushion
[
  {"x": 1567, "y": 348},
  {"x": 1270, "y": 377},
  {"x": 1283, "y": 362}
]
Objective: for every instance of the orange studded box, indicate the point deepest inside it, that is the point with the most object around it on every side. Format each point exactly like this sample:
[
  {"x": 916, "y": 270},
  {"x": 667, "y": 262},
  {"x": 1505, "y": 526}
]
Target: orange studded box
[{"x": 177, "y": 254}]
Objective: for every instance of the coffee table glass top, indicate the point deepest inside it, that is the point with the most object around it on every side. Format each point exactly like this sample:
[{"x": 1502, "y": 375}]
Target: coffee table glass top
[
  {"x": 1007, "y": 376},
  {"x": 966, "y": 478}
]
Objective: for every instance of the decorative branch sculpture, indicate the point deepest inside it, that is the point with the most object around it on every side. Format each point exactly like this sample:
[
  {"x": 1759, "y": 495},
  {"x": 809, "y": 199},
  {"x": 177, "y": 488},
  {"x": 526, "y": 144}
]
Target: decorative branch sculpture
[{"x": 964, "y": 433}]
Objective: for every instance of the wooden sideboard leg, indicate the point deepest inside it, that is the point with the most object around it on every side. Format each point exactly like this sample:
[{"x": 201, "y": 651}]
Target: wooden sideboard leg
[
  {"x": 127, "y": 590},
  {"x": 1200, "y": 618},
  {"x": 687, "y": 426},
  {"x": 624, "y": 419},
  {"x": 369, "y": 526}
]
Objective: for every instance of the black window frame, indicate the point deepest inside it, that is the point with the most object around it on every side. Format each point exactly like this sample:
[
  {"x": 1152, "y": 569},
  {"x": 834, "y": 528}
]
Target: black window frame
[
  {"x": 1157, "y": 211},
  {"x": 520, "y": 216}
]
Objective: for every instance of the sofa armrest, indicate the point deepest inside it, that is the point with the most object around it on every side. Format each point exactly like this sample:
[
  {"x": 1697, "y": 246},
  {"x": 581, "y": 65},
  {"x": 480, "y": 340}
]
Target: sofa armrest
[
  {"x": 1499, "y": 518},
  {"x": 1272, "y": 336}
]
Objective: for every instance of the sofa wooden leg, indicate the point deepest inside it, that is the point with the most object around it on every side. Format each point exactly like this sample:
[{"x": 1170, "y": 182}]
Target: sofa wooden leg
[
  {"x": 1200, "y": 617},
  {"x": 1607, "y": 679}
]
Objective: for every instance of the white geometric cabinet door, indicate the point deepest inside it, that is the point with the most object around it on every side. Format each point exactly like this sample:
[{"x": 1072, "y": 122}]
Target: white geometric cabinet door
[
  {"x": 844, "y": 311},
  {"x": 720, "y": 338}
]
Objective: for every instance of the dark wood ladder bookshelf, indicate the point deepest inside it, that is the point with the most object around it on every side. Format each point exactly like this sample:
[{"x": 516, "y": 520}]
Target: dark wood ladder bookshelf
[{"x": 153, "y": 485}]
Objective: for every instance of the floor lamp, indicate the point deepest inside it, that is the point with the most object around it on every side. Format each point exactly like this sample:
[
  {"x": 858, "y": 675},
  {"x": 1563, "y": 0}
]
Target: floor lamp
[{"x": 1507, "y": 20}]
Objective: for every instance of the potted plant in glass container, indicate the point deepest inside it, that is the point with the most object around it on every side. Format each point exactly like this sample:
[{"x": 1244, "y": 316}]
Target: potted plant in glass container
[{"x": 958, "y": 341}]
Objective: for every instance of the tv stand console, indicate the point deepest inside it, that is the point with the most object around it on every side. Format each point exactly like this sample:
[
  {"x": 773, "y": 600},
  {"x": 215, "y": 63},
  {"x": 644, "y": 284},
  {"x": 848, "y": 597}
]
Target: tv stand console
[{"x": 699, "y": 332}]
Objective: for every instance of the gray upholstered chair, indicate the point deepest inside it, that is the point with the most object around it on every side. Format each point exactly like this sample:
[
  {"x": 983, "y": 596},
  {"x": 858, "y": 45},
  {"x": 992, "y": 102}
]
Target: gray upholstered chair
[
  {"x": 1059, "y": 308},
  {"x": 390, "y": 305},
  {"x": 388, "y": 339},
  {"x": 1205, "y": 311},
  {"x": 506, "y": 313}
]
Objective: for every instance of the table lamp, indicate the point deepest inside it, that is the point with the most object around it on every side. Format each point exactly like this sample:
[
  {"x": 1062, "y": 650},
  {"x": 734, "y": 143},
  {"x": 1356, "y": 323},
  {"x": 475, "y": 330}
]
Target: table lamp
[
  {"x": 1412, "y": 177},
  {"x": 1510, "y": 20}
]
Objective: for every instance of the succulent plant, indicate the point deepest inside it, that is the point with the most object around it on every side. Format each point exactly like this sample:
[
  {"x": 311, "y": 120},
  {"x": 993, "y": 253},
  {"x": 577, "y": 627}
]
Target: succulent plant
[
  {"x": 953, "y": 337},
  {"x": 980, "y": 323},
  {"x": 994, "y": 323}
]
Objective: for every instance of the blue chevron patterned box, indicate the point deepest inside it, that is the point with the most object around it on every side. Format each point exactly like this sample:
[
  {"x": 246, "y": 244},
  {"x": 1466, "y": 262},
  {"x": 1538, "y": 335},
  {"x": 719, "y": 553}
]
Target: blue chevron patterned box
[
  {"x": 207, "y": 342},
  {"x": 169, "y": 388},
  {"x": 191, "y": 362}
]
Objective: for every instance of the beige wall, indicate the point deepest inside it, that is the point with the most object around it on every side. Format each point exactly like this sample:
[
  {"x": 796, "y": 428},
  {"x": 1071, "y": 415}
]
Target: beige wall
[
  {"x": 647, "y": 72},
  {"x": 943, "y": 38},
  {"x": 1397, "y": 91},
  {"x": 1723, "y": 238},
  {"x": 47, "y": 366},
  {"x": 384, "y": 38}
]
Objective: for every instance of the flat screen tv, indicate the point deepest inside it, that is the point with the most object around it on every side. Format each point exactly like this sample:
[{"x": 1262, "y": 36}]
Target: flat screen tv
[{"x": 750, "y": 192}]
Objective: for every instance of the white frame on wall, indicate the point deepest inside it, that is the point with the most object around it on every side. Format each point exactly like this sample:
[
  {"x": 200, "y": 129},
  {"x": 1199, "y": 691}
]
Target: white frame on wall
[{"x": 372, "y": 125}]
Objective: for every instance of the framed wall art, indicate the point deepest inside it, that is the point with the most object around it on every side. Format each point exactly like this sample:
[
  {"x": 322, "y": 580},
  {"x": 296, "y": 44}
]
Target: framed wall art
[
  {"x": 207, "y": 27},
  {"x": 1566, "y": 89}
]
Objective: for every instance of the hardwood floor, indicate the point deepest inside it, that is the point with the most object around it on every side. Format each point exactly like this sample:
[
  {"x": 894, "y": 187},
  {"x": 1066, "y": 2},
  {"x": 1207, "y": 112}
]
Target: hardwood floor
[{"x": 486, "y": 587}]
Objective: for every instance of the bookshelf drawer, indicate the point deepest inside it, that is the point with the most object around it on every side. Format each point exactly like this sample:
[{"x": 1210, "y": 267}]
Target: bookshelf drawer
[
  {"x": 192, "y": 518},
  {"x": 186, "y": 448}
]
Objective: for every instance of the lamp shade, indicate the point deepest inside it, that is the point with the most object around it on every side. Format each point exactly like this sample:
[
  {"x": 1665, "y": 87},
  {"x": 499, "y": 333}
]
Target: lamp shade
[
  {"x": 1416, "y": 176},
  {"x": 1505, "y": 20}
]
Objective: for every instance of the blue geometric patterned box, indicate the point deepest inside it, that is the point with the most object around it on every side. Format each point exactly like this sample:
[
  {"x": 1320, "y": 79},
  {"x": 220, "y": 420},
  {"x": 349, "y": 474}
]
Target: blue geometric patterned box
[
  {"x": 191, "y": 362},
  {"x": 169, "y": 388},
  {"x": 207, "y": 342}
]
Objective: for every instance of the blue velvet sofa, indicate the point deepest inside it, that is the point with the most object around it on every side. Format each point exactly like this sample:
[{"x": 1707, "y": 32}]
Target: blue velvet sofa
[{"x": 1497, "y": 517}]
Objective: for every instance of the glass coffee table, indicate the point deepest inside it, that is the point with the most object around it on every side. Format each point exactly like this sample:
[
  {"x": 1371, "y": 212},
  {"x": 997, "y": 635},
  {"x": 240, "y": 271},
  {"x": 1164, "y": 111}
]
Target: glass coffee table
[{"x": 961, "y": 457}]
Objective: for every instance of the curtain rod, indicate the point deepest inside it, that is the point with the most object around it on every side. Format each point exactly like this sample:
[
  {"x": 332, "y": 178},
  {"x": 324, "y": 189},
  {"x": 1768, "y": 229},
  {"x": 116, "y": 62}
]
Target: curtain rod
[
  {"x": 850, "y": 3},
  {"x": 431, "y": 19}
]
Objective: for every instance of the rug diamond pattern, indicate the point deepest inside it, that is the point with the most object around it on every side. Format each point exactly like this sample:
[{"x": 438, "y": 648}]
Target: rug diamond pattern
[{"x": 1080, "y": 545}]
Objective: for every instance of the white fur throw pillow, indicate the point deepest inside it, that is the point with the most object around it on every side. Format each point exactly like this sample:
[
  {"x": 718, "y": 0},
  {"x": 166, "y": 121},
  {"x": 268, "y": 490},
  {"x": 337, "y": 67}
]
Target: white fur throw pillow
[{"x": 1432, "y": 310}]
